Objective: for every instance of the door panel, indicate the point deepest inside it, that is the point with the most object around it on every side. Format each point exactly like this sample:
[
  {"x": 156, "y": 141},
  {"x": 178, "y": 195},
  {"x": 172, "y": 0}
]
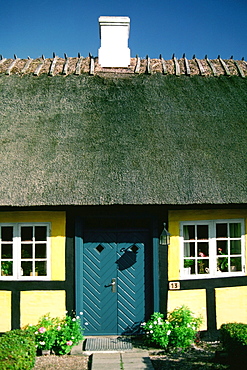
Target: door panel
[
  {"x": 131, "y": 297},
  {"x": 98, "y": 271},
  {"x": 107, "y": 256}
]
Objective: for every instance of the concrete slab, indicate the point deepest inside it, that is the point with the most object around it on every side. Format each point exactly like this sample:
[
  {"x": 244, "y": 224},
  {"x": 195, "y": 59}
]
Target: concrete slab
[
  {"x": 105, "y": 367},
  {"x": 100, "y": 356},
  {"x": 129, "y": 361},
  {"x": 106, "y": 361}
]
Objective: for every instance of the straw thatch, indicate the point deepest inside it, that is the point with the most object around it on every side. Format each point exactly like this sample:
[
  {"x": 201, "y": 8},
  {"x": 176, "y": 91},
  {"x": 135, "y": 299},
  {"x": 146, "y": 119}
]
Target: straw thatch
[{"x": 133, "y": 139}]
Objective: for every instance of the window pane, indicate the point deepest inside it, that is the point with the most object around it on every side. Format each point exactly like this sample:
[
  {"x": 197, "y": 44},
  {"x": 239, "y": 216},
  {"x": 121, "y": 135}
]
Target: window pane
[
  {"x": 26, "y": 251},
  {"x": 7, "y": 233},
  {"x": 26, "y": 233},
  {"x": 203, "y": 266},
  {"x": 222, "y": 264},
  {"x": 235, "y": 246},
  {"x": 40, "y": 233},
  {"x": 235, "y": 230},
  {"x": 222, "y": 247},
  {"x": 189, "y": 232},
  {"x": 202, "y": 250},
  {"x": 7, "y": 251},
  {"x": 235, "y": 264},
  {"x": 40, "y": 268},
  {"x": 202, "y": 232},
  {"x": 221, "y": 230},
  {"x": 189, "y": 249},
  {"x": 40, "y": 251},
  {"x": 26, "y": 268}
]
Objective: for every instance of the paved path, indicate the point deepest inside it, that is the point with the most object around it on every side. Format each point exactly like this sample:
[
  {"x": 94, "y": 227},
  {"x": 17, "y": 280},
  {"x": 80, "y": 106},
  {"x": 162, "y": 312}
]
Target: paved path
[{"x": 135, "y": 359}]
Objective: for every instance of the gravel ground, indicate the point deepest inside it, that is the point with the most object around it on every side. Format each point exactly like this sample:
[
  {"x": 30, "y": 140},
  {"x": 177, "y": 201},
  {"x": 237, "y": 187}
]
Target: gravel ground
[
  {"x": 193, "y": 359},
  {"x": 61, "y": 363}
]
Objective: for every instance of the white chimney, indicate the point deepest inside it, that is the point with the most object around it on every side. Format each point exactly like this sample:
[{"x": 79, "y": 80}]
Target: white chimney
[{"x": 114, "y": 35}]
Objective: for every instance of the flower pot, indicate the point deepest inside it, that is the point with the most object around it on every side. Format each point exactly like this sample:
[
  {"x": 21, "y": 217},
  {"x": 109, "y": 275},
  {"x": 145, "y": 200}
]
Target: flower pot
[
  {"x": 187, "y": 270},
  {"x": 36, "y": 273},
  {"x": 45, "y": 352}
]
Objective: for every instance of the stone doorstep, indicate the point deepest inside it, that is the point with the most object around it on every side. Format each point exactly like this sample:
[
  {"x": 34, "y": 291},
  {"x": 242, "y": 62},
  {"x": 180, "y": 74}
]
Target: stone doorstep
[{"x": 77, "y": 350}]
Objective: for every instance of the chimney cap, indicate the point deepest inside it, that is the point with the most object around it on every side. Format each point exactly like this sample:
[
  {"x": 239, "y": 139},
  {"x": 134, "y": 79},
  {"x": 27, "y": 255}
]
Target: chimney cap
[{"x": 114, "y": 19}]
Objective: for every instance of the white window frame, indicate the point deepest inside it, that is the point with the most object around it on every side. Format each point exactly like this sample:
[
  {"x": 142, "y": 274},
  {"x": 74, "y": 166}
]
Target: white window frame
[
  {"x": 17, "y": 274},
  {"x": 213, "y": 272}
]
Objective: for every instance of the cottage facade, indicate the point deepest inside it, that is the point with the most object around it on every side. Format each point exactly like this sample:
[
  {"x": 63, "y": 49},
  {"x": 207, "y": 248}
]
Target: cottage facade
[{"x": 93, "y": 161}]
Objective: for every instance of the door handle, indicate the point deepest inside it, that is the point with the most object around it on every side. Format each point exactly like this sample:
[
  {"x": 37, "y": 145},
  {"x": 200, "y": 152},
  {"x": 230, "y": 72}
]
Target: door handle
[{"x": 113, "y": 285}]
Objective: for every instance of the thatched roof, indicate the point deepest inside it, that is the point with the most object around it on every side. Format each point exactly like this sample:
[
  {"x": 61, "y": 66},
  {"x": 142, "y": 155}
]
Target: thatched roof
[{"x": 122, "y": 139}]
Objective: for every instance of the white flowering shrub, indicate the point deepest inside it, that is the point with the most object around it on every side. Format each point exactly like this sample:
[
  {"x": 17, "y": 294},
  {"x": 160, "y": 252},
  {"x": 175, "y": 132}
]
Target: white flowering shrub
[
  {"x": 157, "y": 330},
  {"x": 178, "y": 331}
]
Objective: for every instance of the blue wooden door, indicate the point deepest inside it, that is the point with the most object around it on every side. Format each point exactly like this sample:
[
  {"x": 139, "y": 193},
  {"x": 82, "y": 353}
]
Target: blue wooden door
[{"x": 113, "y": 278}]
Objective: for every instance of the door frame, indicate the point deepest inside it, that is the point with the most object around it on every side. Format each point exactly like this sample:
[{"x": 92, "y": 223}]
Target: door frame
[{"x": 154, "y": 297}]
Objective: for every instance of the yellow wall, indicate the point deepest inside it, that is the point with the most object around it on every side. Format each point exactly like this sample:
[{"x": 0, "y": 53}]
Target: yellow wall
[
  {"x": 35, "y": 304},
  {"x": 194, "y": 299},
  {"x": 57, "y": 220},
  {"x": 175, "y": 217},
  {"x": 5, "y": 314},
  {"x": 231, "y": 304}
]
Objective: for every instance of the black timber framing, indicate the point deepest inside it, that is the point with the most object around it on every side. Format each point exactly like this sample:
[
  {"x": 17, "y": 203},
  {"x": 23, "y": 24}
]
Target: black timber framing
[
  {"x": 70, "y": 262},
  {"x": 15, "y": 309},
  {"x": 163, "y": 278}
]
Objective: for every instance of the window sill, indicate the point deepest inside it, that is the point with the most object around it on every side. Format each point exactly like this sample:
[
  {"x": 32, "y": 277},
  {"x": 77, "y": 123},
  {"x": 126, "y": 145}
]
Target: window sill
[
  {"x": 208, "y": 276},
  {"x": 27, "y": 278}
]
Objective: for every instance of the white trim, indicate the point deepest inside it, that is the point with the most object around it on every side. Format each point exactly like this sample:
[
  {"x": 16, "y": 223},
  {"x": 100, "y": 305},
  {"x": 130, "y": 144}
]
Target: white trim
[{"x": 213, "y": 273}]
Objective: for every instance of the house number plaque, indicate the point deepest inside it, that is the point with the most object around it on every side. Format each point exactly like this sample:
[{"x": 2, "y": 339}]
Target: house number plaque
[{"x": 174, "y": 285}]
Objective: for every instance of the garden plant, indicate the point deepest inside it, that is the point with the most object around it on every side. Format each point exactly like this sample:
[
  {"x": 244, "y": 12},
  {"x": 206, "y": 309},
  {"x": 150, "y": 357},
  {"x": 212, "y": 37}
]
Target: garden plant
[
  {"x": 55, "y": 334},
  {"x": 179, "y": 330},
  {"x": 17, "y": 350},
  {"x": 234, "y": 341}
]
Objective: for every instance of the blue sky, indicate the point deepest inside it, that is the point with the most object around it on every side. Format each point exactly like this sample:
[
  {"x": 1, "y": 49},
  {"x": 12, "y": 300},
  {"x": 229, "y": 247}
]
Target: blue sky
[{"x": 212, "y": 27}]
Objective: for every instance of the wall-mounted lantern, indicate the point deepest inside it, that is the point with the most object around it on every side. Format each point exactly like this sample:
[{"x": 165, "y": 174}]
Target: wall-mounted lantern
[{"x": 165, "y": 236}]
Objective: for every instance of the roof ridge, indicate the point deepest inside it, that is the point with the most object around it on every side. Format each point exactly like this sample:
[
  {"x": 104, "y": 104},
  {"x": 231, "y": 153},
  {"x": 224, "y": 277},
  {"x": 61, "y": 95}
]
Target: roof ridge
[{"x": 81, "y": 65}]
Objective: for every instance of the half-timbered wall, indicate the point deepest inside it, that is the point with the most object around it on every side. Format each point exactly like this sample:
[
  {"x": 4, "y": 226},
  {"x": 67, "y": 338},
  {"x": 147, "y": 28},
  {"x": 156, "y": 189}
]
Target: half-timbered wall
[
  {"x": 217, "y": 299},
  {"x": 25, "y": 299}
]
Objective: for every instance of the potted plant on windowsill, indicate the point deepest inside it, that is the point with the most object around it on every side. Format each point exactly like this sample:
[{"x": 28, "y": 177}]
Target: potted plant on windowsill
[
  {"x": 222, "y": 261},
  {"x": 6, "y": 268},
  {"x": 187, "y": 266}
]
